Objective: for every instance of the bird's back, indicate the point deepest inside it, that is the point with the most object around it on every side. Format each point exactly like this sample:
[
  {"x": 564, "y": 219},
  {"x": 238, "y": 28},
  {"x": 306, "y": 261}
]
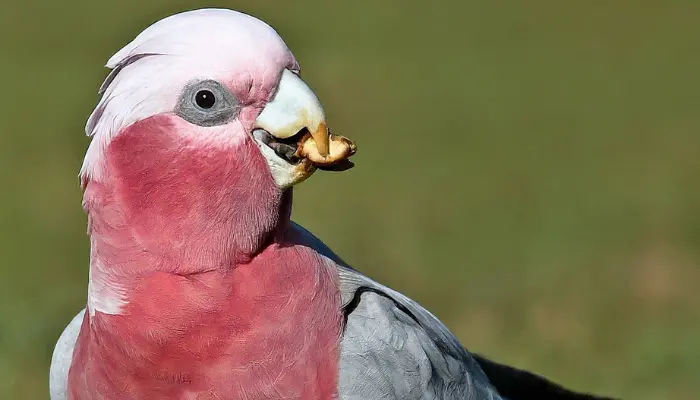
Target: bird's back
[{"x": 392, "y": 348}]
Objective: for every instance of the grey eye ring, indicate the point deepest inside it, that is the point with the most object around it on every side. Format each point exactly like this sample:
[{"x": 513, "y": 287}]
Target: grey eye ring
[{"x": 207, "y": 103}]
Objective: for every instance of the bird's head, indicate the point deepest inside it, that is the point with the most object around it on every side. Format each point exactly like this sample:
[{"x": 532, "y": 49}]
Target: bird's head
[{"x": 204, "y": 121}]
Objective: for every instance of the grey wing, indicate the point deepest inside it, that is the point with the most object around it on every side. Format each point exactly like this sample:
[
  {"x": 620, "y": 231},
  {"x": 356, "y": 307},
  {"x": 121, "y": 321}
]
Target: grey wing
[
  {"x": 392, "y": 348},
  {"x": 62, "y": 357}
]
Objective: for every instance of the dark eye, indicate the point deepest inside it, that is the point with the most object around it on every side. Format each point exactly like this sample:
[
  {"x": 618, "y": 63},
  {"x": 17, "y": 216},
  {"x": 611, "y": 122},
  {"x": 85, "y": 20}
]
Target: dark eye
[{"x": 205, "y": 99}]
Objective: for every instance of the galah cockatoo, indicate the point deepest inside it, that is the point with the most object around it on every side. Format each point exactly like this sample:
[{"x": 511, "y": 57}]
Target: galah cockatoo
[{"x": 201, "y": 287}]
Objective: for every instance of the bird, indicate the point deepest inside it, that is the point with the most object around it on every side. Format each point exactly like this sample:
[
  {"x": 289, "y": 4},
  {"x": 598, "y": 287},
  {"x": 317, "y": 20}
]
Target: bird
[{"x": 200, "y": 284}]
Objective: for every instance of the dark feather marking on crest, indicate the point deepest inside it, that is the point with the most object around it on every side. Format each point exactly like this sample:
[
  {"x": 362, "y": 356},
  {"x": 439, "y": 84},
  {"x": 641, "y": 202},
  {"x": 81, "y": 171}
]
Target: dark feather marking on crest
[
  {"x": 120, "y": 66},
  {"x": 97, "y": 114}
]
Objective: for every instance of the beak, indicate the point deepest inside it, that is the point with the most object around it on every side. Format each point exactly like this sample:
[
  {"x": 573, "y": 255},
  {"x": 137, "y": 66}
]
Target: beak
[
  {"x": 295, "y": 108},
  {"x": 292, "y": 134}
]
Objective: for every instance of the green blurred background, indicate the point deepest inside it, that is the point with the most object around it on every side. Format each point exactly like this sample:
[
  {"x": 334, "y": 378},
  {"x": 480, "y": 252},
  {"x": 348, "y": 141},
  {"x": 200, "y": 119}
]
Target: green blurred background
[{"x": 528, "y": 170}]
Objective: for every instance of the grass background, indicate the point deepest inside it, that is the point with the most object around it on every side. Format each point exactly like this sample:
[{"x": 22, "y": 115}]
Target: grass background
[{"x": 527, "y": 170}]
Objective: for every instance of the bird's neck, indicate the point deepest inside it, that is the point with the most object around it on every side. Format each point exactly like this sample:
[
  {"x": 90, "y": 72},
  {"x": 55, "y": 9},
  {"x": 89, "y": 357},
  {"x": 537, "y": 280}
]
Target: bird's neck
[
  {"x": 269, "y": 328},
  {"x": 129, "y": 245},
  {"x": 164, "y": 205}
]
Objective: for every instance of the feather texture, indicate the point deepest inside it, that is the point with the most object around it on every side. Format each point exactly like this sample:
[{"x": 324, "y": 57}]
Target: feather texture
[{"x": 391, "y": 348}]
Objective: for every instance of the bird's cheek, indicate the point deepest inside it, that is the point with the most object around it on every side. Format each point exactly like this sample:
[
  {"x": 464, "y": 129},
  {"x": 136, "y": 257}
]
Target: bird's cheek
[{"x": 247, "y": 117}]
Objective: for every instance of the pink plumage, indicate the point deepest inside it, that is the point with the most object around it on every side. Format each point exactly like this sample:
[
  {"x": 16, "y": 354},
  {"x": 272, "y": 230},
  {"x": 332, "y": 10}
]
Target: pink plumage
[{"x": 188, "y": 232}]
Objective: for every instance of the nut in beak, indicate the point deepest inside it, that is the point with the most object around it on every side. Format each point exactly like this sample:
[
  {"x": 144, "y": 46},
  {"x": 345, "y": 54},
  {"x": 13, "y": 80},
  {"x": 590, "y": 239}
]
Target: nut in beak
[
  {"x": 292, "y": 133},
  {"x": 340, "y": 149}
]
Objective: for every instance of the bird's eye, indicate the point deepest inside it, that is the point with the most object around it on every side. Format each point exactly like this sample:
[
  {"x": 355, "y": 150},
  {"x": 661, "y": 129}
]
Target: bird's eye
[
  {"x": 207, "y": 103},
  {"x": 205, "y": 99}
]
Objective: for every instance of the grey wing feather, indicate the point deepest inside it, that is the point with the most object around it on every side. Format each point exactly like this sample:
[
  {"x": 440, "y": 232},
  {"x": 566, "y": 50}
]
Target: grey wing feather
[
  {"x": 392, "y": 348},
  {"x": 62, "y": 357}
]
